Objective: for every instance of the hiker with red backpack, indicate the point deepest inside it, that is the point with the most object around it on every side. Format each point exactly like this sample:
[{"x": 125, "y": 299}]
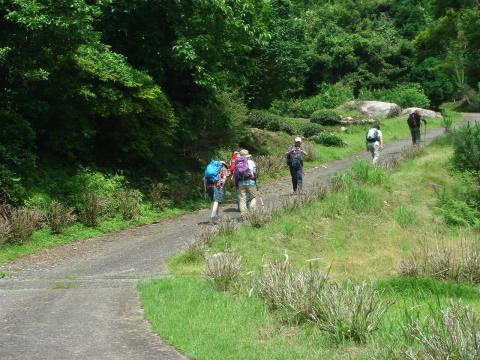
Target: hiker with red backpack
[
  {"x": 245, "y": 174},
  {"x": 414, "y": 122},
  {"x": 214, "y": 179},
  {"x": 294, "y": 160}
]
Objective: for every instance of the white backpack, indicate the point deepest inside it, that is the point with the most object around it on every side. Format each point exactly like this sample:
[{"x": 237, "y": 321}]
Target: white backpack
[{"x": 373, "y": 135}]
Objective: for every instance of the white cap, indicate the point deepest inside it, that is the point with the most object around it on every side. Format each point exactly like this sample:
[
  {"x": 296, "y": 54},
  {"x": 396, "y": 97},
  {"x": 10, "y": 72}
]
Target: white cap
[{"x": 298, "y": 139}]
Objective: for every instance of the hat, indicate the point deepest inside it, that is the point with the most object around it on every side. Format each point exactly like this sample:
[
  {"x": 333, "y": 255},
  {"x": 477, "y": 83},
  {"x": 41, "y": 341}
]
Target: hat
[
  {"x": 244, "y": 152},
  {"x": 298, "y": 139}
]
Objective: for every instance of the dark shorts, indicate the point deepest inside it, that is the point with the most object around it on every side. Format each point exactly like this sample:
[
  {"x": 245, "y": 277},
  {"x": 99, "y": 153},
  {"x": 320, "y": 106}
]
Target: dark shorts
[{"x": 218, "y": 194}]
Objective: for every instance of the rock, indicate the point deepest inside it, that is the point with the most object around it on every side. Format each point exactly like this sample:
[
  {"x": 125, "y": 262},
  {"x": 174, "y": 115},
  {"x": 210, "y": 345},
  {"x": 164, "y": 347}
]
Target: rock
[
  {"x": 349, "y": 118},
  {"x": 375, "y": 108},
  {"x": 343, "y": 129},
  {"x": 423, "y": 112}
]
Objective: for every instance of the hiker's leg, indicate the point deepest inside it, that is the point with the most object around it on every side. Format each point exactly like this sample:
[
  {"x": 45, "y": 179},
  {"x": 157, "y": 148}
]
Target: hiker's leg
[
  {"x": 412, "y": 131},
  {"x": 371, "y": 149},
  {"x": 376, "y": 152},
  {"x": 300, "y": 178},
  {"x": 243, "y": 198},
  {"x": 293, "y": 174},
  {"x": 416, "y": 135},
  {"x": 218, "y": 194},
  {"x": 252, "y": 192}
]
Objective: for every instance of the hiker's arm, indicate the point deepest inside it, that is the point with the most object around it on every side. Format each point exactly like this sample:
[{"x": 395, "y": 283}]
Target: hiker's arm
[
  {"x": 381, "y": 142},
  {"x": 304, "y": 152}
]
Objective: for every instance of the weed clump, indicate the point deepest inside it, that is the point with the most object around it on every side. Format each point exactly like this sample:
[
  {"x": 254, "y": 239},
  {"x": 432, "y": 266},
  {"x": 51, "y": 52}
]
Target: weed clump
[
  {"x": 92, "y": 208},
  {"x": 158, "y": 193},
  {"x": 270, "y": 165},
  {"x": 404, "y": 216},
  {"x": 223, "y": 269},
  {"x": 129, "y": 203},
  {"x": 58, "y": 216},
  {"x": 453, "y": 333},
  {"x": 196, "y": 249},
  {"x": 258, "y": 217},
  {"x": 5, "y": 230},
  {"x": 23, "y": 223}
]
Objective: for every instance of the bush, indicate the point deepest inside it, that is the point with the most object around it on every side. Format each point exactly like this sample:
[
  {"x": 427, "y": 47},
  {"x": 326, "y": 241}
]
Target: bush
[
  {"x": 351, "y": 312},
  {"x": 452, "y": 333},
  {"x": 258, "y": 217},
  {"x": 58, "y": 216},
  {"x": 268, "y": 121},
  {"x": 458, "y": 213},
  {"x": 23, "y": 223},
  {"x": 92, "y": 207},
  {"x": 5, "y": 230},
  {"x": 292, "y": 293},
  {"x": 326, "y": 117},
  {"x": 222, "y": 270},
  {"x": 404, "y": 95},
  {"x": 328, "y": 139},
  {"x": 129, "y": 203},
  {"x": 466, "y": 145},
  {"x": 311, "y": 150},
  {"x": 270, "y": 165},
  {"x": 158, "y": 193}
]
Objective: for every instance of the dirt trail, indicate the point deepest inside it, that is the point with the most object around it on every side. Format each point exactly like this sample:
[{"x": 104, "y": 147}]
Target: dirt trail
[{"x": 79, "y": 301}]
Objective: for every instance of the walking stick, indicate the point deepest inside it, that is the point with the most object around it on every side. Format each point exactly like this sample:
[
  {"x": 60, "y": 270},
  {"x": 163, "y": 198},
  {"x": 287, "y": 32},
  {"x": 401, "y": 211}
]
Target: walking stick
[{"x": 425, "y": 134}]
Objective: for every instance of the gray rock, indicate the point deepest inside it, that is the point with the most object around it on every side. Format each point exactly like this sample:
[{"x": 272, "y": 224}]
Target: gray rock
[
  {"x": 375, "y": 108},
  {"x": 423, "y": 112}
]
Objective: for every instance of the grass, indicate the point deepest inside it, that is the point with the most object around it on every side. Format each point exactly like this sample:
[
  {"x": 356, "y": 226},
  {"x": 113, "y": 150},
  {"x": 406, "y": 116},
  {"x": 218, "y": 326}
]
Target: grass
[
  {"x": 43, "y": 239},
  {"x": 360, "y": 233}
]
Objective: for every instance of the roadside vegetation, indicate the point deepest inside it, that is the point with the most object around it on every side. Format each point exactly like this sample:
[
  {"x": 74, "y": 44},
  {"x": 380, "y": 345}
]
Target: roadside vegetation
[{"x": 337, "y": 273}]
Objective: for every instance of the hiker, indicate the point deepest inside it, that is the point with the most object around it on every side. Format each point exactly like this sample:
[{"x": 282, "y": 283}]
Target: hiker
[
  {"x": 245, "y": 174},
  {"x": 294, "y": 160},
  {"x": 414, "y": 122},
  {"x": 374, "y": 142},
  {"x": 231, "y": 170},
  {"x": 214, "y": 180}
]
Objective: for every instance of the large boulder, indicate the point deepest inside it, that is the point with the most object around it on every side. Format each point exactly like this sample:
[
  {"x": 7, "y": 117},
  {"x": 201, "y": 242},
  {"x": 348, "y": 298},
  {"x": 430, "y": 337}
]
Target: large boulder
[
  {"x": 375, "y": 108},
  {"x": 423, "y": 112}
]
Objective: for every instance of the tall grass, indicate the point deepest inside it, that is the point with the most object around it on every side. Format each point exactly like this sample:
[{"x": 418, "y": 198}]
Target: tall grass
[{"x": 223, "y": 269}]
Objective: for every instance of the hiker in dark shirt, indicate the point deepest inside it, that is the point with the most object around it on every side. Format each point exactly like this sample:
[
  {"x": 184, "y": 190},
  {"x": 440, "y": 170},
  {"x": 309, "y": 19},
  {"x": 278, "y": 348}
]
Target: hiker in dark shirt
[
  {"x": 414, "y": 122},
  {"x": 295, "y": 163}
]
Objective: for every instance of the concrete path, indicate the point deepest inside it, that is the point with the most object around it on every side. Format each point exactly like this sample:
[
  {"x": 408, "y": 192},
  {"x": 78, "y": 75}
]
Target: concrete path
[{"x": 79, "y": 301}]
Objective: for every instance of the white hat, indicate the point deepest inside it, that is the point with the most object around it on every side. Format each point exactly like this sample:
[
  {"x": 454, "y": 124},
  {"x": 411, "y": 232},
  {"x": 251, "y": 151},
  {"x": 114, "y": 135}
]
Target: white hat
[{"x": 298, "y": 139}]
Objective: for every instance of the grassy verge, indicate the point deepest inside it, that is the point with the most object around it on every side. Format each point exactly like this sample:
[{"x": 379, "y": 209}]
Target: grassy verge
[
  {"x": 360, "y": 233},
  {"x": 43, "y": 239}
]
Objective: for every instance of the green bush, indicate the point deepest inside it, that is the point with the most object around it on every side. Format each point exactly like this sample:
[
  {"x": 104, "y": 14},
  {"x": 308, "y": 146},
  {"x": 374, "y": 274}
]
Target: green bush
[
  {"x": 129, "y": 201},
  {"x": 328, "y": 97},
  {"x": 459, "y": 213},
  {"x": 265, "y": 120},
  {"x": 466, "y": 144},
  {"x": 326, "y": 117},
  {"x": 328, "y": 139},
  {"x": 404, "y": 95}
]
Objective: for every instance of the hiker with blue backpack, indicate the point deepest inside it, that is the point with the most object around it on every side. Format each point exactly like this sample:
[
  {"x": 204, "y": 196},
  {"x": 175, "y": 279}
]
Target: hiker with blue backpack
[
  {"x": 214, "y": 181},
  {"x": 374, "y": 142},
  {"x": 294, "y": 160},
  {"x": 245, "y": 174}
]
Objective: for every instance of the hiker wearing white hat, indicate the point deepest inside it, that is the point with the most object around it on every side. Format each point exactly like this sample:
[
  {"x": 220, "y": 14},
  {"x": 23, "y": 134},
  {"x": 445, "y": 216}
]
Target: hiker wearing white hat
[
  {"x": 245, "y": 174},
  {"x": 293, "y": 157}
]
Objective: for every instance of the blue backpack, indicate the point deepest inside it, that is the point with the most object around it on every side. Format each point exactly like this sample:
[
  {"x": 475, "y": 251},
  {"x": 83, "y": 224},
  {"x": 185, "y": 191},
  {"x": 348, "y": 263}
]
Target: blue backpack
[{"x": 212, "y": 170}]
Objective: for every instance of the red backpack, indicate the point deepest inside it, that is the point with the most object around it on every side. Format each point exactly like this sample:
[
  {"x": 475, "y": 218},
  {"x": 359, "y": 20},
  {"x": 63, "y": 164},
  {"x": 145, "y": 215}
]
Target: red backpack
[{"x": 234, "y": 157}]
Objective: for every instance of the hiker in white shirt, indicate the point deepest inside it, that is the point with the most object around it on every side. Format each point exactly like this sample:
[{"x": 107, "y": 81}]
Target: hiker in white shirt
[{"x": 374, "y": 142}]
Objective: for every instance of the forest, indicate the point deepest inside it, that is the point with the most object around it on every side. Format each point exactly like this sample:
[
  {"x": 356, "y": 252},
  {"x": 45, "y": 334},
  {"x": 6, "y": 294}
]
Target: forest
[{"x": 152, "y": 89}]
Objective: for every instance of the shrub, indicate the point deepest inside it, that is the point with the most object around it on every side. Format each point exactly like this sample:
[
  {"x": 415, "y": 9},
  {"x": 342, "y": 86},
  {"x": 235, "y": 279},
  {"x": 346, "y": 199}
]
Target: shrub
[
  {"x": 326, "y": 117},
  {"x": 445, "y": 263},
  {"x": 466, "y": 145},
  {"x": 264, "y": 120},
  {"x": 316, "y": 193},
  {"x": 129, "y": 203},
  {"x": 452, "y": 333},
  {"x": 222, "y": 270},
  {"x": 58, "y": 216},
  {"x": 351, "y": 312},
  {"x": 458, "y": 213},
  {"x": 310, "y": 129},
  {"x": 92, "y": 208},
  {"x": 226, "y": 226},
  {"x": 292, "y": 292},
  {"x": 270, "y": 165},
  {"x": 258, "y": 217},
  {"x": 328, "y": 139},
  {"x": 311, "y": 150},
  {"x": 5, "y": 230},
  {"x": 158, "y": 193},
  {"x": 23, "y": 223}
]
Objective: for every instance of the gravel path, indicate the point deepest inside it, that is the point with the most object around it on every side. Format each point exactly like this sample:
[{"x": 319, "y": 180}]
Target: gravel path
[{"x": 79, "y": 301}]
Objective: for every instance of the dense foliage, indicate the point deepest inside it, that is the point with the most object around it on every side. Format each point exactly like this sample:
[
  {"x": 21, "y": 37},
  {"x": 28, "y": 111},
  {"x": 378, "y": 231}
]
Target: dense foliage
[{"x": 152, "y": 87}]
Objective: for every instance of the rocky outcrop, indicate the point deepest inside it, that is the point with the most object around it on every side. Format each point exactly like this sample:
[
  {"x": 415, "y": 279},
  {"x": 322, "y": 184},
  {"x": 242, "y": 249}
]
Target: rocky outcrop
[
  {"x": 423, "y": 112},
  {"x": 375, "y": 108}
]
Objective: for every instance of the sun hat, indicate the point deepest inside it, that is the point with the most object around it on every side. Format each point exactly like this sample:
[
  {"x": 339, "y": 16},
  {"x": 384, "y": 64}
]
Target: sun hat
[
  {"x": 298, "y": 139},
  {"x": 244, "y": 153}
]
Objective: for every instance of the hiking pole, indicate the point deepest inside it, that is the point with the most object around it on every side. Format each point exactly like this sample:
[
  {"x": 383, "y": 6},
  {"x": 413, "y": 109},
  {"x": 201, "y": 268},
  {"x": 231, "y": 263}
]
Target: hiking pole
[{"x": 425, "y": 134}]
